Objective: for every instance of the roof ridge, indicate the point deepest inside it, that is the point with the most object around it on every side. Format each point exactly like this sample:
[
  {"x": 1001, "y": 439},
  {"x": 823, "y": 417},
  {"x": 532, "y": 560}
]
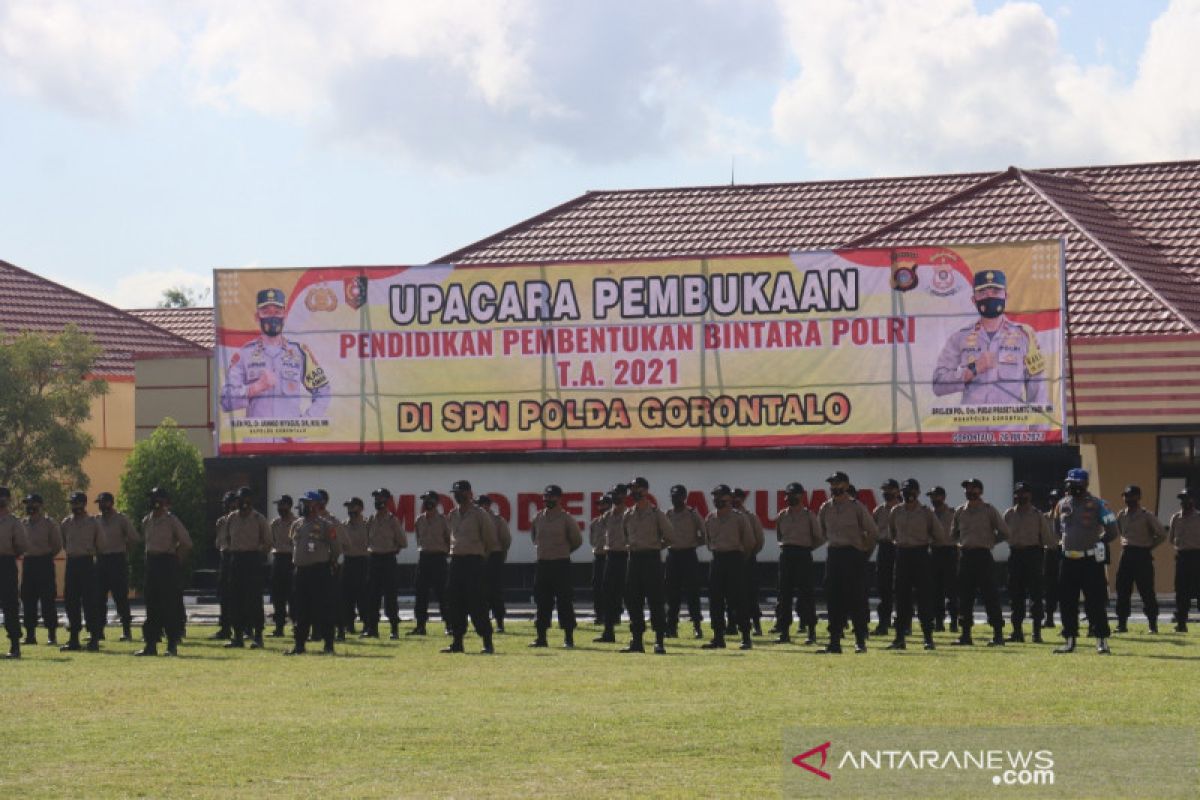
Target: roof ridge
[
  {"x": 450, "y": 257},
  {"x": 106, "y": 306},
  {"x": 1031, "y": 179}
]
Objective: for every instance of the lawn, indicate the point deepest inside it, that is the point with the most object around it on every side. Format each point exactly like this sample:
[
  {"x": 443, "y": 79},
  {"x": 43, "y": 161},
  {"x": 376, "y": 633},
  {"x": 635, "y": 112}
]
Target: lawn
[{"x": 398, "y": 719}]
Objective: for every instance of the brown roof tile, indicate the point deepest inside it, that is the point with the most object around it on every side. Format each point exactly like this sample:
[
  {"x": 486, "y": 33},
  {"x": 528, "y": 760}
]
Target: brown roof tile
[{"x": 193, "y": 324}]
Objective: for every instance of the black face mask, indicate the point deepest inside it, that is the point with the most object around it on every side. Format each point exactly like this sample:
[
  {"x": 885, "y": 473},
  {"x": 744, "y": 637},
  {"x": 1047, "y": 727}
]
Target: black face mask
[
  {"x": 1187, "y": 505},
  {"x": 910, "y": 497},
  {"x": 29, "y": 510},
  {"x": 990, "y": 307},
  {"x": 973, "y": 495},
  {"x": 380, "y": 505},
  {"x": 793, "y": 500},
  {"x": 271, "y": 326},
  {"x": 838, "y": 491},
  {"x": 429, "y": 504},
  {"x": 722, "y": 503},
  {"x": 1077, "y": 490}
]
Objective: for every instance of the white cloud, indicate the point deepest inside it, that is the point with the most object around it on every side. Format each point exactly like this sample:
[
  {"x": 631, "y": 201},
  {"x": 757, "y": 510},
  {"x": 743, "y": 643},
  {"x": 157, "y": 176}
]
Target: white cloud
[
  {"x": 904, "y": 85},
  {"x": 145, "y": 289}
]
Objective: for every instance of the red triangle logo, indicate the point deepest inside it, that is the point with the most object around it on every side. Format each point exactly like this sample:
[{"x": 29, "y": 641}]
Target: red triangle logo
[{"x": 802, "y": 761}]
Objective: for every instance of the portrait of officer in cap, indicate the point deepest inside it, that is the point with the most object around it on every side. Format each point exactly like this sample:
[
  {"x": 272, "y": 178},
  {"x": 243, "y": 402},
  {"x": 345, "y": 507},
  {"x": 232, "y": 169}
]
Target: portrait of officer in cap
[
  {"x": 992, "y": 361},
  {"x": 271, "y": 377}
]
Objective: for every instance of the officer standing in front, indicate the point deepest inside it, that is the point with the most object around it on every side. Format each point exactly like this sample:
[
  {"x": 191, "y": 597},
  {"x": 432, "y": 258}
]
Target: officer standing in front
[
  {"x": 1085, "y": 526},
  {"x": 943, "y": 563},
  {"x": 596, "y": 538},
  {"x": 385, "y": 540},
  {"x": 683, "y": 564},
  {"x": 851, "y": 533},
  {"x": 281, "y": 564},
  {"x": 12, "y": 547},
  {"x": 433, "y": 545},
  {"x": 495, "y": 564},
  {"x": 38, "y": 585},
  {"x": 81, "y": 533},
  {"x": 472, "y": 538},
  {"x": 167, "y": 544},
  {"x": 616, "y": 563},
  {"x": 1028, "y": 535},
  {"x": 913, "y": 529},
  {"x": 355, "y": 568},
  {"x": 555, "y": 535},
  {"x": 117, "y": 535},
  {"x": 1185, "y": 536},
  {"x": 1051, "y": 560},
  {"x": 729, "y": 538},
  {"x": 247, "y": 539},
  {"x": 646, "y": 533},
  {"x": 799, "y": 532},
  {"x": 1141, "y": 532},
  {"x": 885, "y": 556},
  {"x": 978, "y": 527},
  {"x": 315, "y": 548}
]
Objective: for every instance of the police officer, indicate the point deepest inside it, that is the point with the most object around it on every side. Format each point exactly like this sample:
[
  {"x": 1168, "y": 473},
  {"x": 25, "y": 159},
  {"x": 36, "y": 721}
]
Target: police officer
[
  {"x": 12, "y": 547},
  {"x": 355, "y": 568},
  {"x": 943, "y": 563},
  {"x": 495, "y": 564},
  {"x": 43, "y": 542},
  {"x": 167, "y": 544},
  {"x": 1028, "y": 535},
  {"x": 281, "y": 563},
  {"x": 596, "y": 529},
  {"x": 616, "y": 563},
  {"x": 994, "y": 361},
  {"x": 683, "y": 565},
  {"x": 1050, "y": 562},
  {"x": 229, "y": 504},
  {"x": 851, "y": 532},
  {"x": 81, "y": 533},
  {"x": 646, "y": 533},
  {"x": 315, "y": 548},
  {"x": 1085, "y": 525},
  {"x": 750, "y": 579},
  {"x": 978, "y": 527},
  {"x": 555, "y": 535},
  {"x": 247, "y": 539},
  {"x": 912, "y": 530},
  {"x": 433, "y": 545},
  {"x": 271, "y": 376},
  {"x": 117, "y": 535},
  {"x": 472, "y": 538},
  {"x": 1141, "y": 532},
  {"x": 885, "y": 555},
  {"x": 385, "y": 540},
  {"x": 798, "y": 532},
  {"x": 1185, "y": 536},
  {"x": 729, "y": 538}
]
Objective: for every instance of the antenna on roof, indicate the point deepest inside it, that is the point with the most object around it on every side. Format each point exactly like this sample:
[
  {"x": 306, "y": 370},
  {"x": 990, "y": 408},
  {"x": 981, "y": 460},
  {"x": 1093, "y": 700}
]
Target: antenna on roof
[{"x": 732, "y": 168}]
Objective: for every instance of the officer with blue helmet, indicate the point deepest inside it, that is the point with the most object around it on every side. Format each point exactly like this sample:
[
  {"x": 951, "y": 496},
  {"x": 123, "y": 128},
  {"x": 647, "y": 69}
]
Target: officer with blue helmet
[{"x": 1085, "y": 526}]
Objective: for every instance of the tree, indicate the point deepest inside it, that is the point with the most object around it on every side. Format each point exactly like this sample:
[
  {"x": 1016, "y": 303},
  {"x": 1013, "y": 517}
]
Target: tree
[
  {"x": 46, "y": 395},
  {"x": 169, "y": 461},
  {"x": 183, "y": 297}
]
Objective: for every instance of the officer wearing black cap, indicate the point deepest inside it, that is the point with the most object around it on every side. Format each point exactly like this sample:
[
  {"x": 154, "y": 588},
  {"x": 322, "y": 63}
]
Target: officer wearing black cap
[
  {"x": 43, "y": 542},
  {"x": 885, "y": 556},
  {"x": 229, "y": 504},
  {"x": 117, "y": 535},
  {"x": 750, "y": 572},
  {"x": 1050, "y": 562},
  {"x": 799, "y": 532},
  {"x": 683, "y": 565},
  {"x": 167, "y": 544},
  {"x": 1184, "y": 532},
  {"x": 12, "y": 547},
  {"x": 81, "y": 535},
  {"x": 1028, "y": 535},
  {"x": 1141, "y": 532},
  {"x": 315, "y": 548},
  {"x": 247, "y": 539},
  {"x": 355, "y": 569},
  {"x": 281, "y": 563},
  {"x": 729, "y": 538},
  {"x": 943, "y": 563},
  {"x": 385, "y": 540},
  {"x": 912, "y": 529},
  {"x": 555, "y": 536},
  {"x": 978, "y": 527},
  {"x": 495, "y": 564},
  {"x": 596, "y": 538},
  {"x": 433, "y": 546},
  {"x": 472, "y": 538},
  {"x": 616, "y": 563},
  {"x": 851, "y": 533},
  {"x": 647, "y": 530}
]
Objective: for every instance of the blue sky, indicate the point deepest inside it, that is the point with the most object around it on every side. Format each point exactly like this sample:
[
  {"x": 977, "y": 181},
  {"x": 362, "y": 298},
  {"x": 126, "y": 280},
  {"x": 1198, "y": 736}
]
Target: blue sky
[{"x": 146, "y": 143}]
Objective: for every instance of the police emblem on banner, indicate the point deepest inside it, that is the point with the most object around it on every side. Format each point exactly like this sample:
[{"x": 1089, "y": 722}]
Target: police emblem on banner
[
  {"x": 356, "y": 291},
  {"x": 320, "y": 298},
  {"x": 904, "y": 271}
]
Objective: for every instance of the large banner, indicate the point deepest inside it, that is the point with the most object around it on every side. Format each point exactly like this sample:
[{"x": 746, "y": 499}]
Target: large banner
[{"x": 936, "y": 345}]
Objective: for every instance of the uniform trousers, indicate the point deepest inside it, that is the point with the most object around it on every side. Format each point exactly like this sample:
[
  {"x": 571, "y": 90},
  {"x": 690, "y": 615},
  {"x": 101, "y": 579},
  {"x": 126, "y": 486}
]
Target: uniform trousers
[
  {"x": 598, "y": 602},
  {"x": 1084, "y": 575},
  {"x": 313, "y": 603},
  {"x": 383, "y": 586},
  {"x": 976, "y": 576},
  {"x": 9, "y": 603},
  {"x": 81, "y": 598},
  {"x": 615, "y": 567},
  {"x": 724, "y": 590},
  {"x": 846, "y": 591},
  {"x": 1187, "y": 582},
  {"x": 885, "y": 574},
  {"x": 246, "y": 592},
  {"x": 943, "y": 564},
  {"x": 1025, "y": 583},
  {"x": 644, "y": 586},
  {"x": 552, "y": 587},
  {"x": 1136, "y": 569},
  {"x": 354, "y": 575},
  {"x": 466, "y": 597},
  {"x": 431, "y": 579},
  {"x": 38, "y": 588},
  {"x": 683, "y": 584},
  {"x": 113, "y": 578},
  {"x": 163, "y": 595},
  {"x": 495, "y": 585},
  {"x": 281, "y": 588},
  {"x": 796, "y": 587}
]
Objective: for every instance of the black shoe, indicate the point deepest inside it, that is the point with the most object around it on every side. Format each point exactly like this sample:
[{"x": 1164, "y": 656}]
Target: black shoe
[
  {"x": 237, "y": 643},
  {"x": 14, "y": 652},
  {"x": 811, "y": 638},
  {"x": 929, "y": 645},
  {"x": 1037, "y": 634},
  {"x": 783, "y": 638},
  {"x": 395, "y": 634},
  {"x": 860, "y": 647},
  {"x": 148, "y": 650},
  {"x": 897, "y": 644},
  {"x": 715, "y": 644},
  {"x": 569, "y": 640},
  {"x": 607, "y": 637},
  {"x": 297, "y": 650},
  {"x": 1153, "y": 626},
  {"x": 71, "y": 646},
  {"x": 757, "y": 628},
  {"x": 671, "y": 633},
  {"x": 660, "y": 649},
  {"x": 222, "y": 633},
  {"x": 341, "y": 637},
  {"x": 746, "y": 643},
  {"x": 369, "y": 634},
  {"x": 1048, "y": 622},
  {"x": 1017, "y": 635},
  {"x": 1181, "y": 627},
  {"x": 539, "y": 642},
  {"x": 93, "y": 646},
  {"x": 940, "y": 625},
  {"x": 172, "y": 649},
  {"x": 634, "y": 646},
  {"x": 417, "y": 631},
  {"x": 277, "y": 633},
  {"x": 833, "y": 648},
  {"x": 997, "y": 641},
  {"x": 963, "y": 641},
  {"x": 881, "y": 630},
  {"x": 31, "y": 639},
  {"x": 1068, "y": 646},
  {"x": 953, "y": 626},
  {"x": 499, "y": 626},
  {"x": 327, "y": 650},
  {"x": 454, "y": 647},
  {"x": 488, "y": 649},
  {"x": 697, "y": 633},
  {"x": 52, "y": 638},
  {"x": 1121, "y": 627},
  {"x": 256, "y": 643},
  {"x": 127, "y": 636}
]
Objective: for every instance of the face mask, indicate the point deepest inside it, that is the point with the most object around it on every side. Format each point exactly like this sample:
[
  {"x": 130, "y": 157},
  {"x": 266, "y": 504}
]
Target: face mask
[
  {"x": 380, "y": 505},
  {"x": 910, "y": 497},
  {"x": 1186, "y": 505},
  {"x": 1078, "y": 490},
  {"x": 29, "y": 510},
  {"x": 271, "y": 326},
  {"x": 460, "y": 497},
  {"x": 550, "y": 502},
  {"x": 793, "y": 500},
  {"x": 838, "y": 491},
  {"x": 973, "y": 495},
  {"x": 428, "y": 504},
  {"x": 722, "y": 503},
  {"x": 990, "y": 307}
]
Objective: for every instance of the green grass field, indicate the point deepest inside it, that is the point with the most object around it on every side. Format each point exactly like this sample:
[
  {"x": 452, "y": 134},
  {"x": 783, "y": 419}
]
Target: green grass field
[{"x": 398, "y": 719}]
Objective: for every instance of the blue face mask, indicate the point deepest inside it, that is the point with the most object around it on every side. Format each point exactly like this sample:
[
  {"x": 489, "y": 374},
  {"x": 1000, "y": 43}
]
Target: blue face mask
[{"x": 990, "y": 307}]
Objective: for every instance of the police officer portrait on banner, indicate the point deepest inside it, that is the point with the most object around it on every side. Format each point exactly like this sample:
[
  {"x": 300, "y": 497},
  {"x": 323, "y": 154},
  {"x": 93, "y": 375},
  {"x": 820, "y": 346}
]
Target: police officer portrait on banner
[
  {"x": 994, "y": 360},
  {"x": 272, "y": 377}
]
